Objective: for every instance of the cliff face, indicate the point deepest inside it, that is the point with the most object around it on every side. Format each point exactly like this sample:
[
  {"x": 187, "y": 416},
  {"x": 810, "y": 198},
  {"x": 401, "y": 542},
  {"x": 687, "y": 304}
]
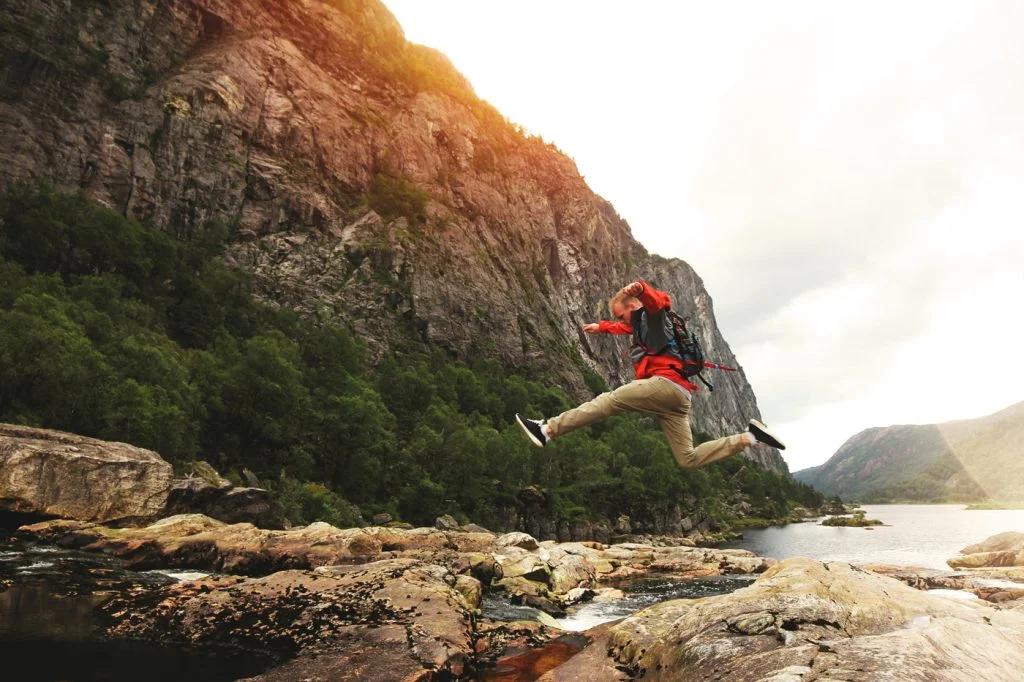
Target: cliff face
[
  {"x": 361, "y": 177},
  {"x": 961, "y": 461}
]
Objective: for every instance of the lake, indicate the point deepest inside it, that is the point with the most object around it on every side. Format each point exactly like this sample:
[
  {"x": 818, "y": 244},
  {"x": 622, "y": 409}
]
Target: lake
[{"x": 914, "y": 535}]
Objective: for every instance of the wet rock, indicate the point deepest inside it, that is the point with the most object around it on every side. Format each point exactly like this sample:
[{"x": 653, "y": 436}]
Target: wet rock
[
  {"x": 592, "y": 664},
  {"x": 496, "y": 640},
  {"x": 578, "y": 595},
  {"x": 56, "y": 474},
  {"x": 340, "y": 623},
  {"x": 608, "y": 594},
  {"x": 804, "y": 618}
]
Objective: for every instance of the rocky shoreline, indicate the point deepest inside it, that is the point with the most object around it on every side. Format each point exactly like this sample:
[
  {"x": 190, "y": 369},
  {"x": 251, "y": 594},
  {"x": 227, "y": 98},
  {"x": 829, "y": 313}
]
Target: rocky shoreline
[
  {"x": 389, "y": 602},
  {"x": 404, "y": 604}
]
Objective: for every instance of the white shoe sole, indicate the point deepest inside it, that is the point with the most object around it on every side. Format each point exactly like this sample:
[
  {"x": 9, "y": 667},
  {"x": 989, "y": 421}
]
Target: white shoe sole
[
  {"x": 533, "y": 438},
  {"x": 765, "y": 429}
]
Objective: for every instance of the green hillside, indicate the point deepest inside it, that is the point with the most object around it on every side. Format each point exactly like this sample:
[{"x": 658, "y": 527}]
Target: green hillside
[
  {"x": 119, "y": 331},
  {"x": 963, "y": 461}
]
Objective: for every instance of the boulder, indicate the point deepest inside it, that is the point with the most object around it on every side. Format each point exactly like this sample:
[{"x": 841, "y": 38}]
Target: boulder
[
  {"x": 803, "y": 620},
  {"x": 55, "y": 474},
  {"x": 530, "y": 567},
  {"x": 577, "y": 595},
  {"x": 470, "y": 589},
  {"x": 229, "y": 504},
  {"x": 570, "y": 571},
  {"x": 446, "y": 522},
  {"x": 521, "y": 540},
  {"x": 388, "y": 620},
  {"x": 1003, "y": 549}
]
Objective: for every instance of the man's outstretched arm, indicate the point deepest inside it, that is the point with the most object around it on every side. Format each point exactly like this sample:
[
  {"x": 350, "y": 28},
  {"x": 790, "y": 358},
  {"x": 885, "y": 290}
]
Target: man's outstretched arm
[{"x": 606, "y": 327}]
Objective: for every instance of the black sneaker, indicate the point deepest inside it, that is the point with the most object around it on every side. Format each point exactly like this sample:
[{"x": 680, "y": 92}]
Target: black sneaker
[
  {"x": 763, "y": 435},
  {"x": 534, "y": 430}
]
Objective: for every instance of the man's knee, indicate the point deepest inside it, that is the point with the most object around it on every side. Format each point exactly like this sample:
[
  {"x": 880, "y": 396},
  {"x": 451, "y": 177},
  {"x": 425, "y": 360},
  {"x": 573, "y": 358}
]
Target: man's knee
[{"x": 685, "y": 457}]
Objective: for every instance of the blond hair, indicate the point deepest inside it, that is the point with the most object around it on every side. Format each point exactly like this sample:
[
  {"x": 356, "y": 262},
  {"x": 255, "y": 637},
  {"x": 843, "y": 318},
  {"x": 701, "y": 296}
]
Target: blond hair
[{"x": 621, "y": 298}]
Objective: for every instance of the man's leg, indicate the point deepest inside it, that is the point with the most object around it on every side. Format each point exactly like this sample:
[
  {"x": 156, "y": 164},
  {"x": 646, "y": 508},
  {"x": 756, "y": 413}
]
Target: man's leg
[
  {"x": 643, "y": 395},
  {"x": 676, "y": 425}
]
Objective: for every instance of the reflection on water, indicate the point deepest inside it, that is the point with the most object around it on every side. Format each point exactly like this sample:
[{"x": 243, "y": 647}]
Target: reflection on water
[
  {"x": 33, "y": 610},
  {"x": 526, "y": 666},
  {"x": 48, "y": 633},
  {"x": 49, "y": 660},
  {"x": 914, "y": 535}
]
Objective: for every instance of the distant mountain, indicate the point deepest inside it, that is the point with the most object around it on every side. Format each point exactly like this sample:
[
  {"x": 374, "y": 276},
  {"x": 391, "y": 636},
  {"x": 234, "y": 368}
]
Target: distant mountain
[{"x": 961, "y": 461}]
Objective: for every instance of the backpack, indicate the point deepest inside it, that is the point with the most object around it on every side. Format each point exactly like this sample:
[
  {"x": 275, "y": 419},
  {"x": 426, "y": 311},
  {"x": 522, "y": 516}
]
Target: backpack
[{"x": 687, "y": 346}]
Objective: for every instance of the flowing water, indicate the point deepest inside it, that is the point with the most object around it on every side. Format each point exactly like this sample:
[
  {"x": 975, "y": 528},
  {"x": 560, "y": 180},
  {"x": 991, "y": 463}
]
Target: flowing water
[{"x": 639, "y": 594}]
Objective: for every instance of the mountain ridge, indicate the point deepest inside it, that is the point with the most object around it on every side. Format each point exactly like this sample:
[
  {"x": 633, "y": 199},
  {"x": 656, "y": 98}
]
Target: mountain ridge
[{"x": 964, "y": 460}]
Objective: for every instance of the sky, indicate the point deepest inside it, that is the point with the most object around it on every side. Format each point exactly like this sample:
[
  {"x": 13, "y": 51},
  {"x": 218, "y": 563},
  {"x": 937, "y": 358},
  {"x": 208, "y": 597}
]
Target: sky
[{"x": 846, "y": 177}]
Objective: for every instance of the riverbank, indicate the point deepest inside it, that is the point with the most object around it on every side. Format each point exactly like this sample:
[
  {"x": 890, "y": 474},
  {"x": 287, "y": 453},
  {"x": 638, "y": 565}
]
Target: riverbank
[
  {"x": 913, "y": 535},
  {"x": 386, "y": 603}
]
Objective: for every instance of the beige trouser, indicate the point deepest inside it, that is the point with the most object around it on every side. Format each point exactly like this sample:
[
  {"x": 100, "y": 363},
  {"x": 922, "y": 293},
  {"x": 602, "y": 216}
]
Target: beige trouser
[{"x": 672, "y": 407}]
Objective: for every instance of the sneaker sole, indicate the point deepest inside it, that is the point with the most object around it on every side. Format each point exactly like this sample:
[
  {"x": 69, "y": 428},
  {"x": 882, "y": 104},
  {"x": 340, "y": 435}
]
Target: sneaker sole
[
  {"x": 533, "y": 438},
  {"x": 779, "y": 445}
]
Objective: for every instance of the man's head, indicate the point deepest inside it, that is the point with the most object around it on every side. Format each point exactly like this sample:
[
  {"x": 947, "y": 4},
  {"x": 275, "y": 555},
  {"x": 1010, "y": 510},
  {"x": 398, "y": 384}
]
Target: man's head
[{"x": 622, "y": 306}]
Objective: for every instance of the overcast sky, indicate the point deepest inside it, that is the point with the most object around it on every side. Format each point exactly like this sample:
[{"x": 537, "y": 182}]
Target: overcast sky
[{"x": 846, "y": 177}]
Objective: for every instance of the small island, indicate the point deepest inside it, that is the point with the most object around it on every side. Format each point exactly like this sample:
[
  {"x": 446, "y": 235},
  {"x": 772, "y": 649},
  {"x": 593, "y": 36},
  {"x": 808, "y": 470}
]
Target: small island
[{"x": 857, "y": 521}]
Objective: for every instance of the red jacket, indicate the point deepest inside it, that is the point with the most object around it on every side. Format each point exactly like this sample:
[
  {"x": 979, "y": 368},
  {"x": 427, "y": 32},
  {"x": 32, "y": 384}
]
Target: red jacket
[{"x": 651, "y": 365}]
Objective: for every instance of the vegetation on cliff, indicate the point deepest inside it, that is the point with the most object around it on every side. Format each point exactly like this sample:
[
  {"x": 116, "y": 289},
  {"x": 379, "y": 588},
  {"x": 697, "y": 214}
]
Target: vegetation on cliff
[{"x": 119, "y": 331}]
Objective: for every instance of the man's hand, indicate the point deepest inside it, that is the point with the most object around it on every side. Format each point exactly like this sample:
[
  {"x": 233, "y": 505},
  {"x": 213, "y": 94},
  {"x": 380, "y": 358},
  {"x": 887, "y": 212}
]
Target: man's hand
[
  {"x": 592, "y": 328},
  {"x": 633, "y": 289}
]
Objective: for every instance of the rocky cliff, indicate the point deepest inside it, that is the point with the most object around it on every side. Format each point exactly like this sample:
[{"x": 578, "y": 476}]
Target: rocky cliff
[
  {"x": 961, "y": 461},
  {"x": 360, "y": 176}
]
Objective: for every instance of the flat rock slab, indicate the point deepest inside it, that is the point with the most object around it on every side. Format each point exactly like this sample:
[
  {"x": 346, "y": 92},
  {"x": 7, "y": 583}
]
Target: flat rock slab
[
  {"x": 806, "y": 620},
  {"x": 387, "y": 620},
  {"x": 549, "y": 571},
  {"x": 197, "y": 541},
  {"x": 57, "y": 474}
]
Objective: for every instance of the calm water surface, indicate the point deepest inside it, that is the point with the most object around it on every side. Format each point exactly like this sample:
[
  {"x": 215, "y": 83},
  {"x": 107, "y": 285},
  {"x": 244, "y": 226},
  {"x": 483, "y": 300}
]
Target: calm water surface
[
  {"x": 49, "y": 631},
  {"x": 915, "y": 535}
]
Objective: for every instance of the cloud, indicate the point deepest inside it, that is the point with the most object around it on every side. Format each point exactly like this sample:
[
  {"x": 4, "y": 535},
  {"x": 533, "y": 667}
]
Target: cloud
[
  {"x": 844, "y": 177},
  {"x": 855, "y": 186}
]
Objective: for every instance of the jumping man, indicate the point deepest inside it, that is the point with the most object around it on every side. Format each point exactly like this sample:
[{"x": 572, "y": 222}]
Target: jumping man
[{"x": 659, "y": 388}]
